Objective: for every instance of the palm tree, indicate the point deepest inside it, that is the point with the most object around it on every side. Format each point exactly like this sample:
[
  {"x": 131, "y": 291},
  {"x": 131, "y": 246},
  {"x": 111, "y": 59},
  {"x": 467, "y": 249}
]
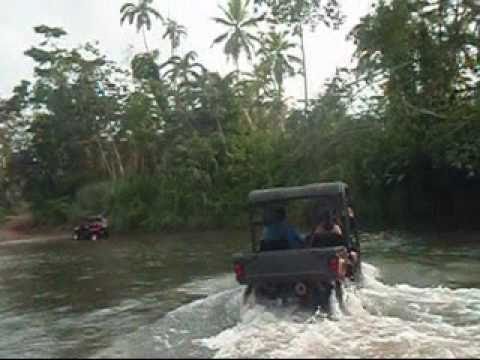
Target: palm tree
[
  {"x": 141, "y": 14},
  {"x": 298, "y": 30},
  {"x": 183, "y": 75},
  {"x": 237, "y": 39},
  {"x": 174, "y": 32},
  {"x": 276, "y": 58},
  {"x": 212, "y": 95},
  {"x": 185, "y": 69}
]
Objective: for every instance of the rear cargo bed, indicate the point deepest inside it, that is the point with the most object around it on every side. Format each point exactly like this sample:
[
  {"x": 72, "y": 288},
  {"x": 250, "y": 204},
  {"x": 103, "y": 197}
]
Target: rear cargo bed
[{"x": 288, "y": 265}]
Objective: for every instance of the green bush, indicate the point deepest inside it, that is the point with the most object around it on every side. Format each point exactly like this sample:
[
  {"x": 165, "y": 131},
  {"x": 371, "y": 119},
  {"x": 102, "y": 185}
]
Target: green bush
[
  {"x": 132, "y": 203},
  {"x": 3, "y": 214},
  {"x": 92, "y": 199},
  {"x": 52, "y": 211}
]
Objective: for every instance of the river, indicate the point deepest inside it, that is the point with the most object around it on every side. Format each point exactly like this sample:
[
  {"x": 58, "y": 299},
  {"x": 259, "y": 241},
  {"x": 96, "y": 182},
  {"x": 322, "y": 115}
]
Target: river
[{"x": 175, "y": 296}]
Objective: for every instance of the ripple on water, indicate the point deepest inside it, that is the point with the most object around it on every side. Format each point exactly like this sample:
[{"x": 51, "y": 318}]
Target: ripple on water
[
  {"x": 88, "y": 298},
  {"x": 398, "y": 321}
]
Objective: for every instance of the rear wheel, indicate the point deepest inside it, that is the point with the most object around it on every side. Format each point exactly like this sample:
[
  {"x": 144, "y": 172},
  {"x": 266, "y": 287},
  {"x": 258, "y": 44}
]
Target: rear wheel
[
  {"x": 321, "y": 298},
  {"x": 340, "y": 296},
  {"x": 75, "y": 236}
]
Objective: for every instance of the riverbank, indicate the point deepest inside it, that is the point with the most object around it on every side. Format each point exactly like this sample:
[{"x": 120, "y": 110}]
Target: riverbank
[{"x": 20, "y": 228}]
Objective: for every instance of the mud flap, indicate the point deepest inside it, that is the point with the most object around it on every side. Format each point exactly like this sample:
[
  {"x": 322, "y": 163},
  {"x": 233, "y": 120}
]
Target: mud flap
[
  {"x": 246, "y": 294},
  {"x": 339, "y": 296}
]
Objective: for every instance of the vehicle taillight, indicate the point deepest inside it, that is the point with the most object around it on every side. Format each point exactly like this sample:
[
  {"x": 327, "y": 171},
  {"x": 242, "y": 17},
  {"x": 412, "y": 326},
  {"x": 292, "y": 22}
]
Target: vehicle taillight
[
  {"x": 337, "y": 265},
  {"x": 239, "y": 271},
  {"x": 333, "y": 264}
]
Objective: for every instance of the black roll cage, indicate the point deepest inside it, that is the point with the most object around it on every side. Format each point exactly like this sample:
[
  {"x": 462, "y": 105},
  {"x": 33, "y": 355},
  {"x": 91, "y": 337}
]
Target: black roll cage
[{"x": 338, "y": 192}]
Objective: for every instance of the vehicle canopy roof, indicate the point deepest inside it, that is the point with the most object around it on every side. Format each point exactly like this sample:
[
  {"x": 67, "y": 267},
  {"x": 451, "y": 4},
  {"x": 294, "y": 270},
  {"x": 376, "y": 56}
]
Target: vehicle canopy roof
[
  {"x": 93, "y": 218},
  {"x": 332, "y": 189}
]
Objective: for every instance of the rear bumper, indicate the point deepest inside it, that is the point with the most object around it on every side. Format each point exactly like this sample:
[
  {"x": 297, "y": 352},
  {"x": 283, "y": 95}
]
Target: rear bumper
[
  {"x": 289, "y": 266},
  {"x": 299, "y": 293},
  {"x": 313, "y": 277}
]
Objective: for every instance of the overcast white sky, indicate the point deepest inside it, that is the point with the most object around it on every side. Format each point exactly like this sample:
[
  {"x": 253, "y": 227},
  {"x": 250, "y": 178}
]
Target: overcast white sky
[{"x": 88, "y": 20}]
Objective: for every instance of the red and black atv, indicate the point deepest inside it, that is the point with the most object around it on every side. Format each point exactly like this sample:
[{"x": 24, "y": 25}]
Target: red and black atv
[{"x": 93, "y": 228}]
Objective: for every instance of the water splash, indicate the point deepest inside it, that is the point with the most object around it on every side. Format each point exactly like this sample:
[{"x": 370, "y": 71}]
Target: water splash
[{"x": 383, "y": 321}]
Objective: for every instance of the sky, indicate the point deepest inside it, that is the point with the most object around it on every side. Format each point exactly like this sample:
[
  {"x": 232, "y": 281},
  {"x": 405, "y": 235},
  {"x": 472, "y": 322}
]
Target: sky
[{"x": 90, "y": 20}]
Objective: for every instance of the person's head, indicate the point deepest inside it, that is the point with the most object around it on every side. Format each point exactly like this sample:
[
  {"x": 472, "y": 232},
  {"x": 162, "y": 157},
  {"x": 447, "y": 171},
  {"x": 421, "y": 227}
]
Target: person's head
[
  {"x": 274, "y": 215},
  {"x": 327, "y": 220}
]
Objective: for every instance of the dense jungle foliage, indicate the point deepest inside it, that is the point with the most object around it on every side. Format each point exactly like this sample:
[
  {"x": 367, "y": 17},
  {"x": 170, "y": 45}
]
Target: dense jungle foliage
[{"x": 175, "y": 145}]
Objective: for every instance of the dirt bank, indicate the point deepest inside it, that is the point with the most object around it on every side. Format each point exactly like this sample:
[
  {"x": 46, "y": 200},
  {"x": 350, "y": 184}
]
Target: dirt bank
[{"x": 21, "y": 228}]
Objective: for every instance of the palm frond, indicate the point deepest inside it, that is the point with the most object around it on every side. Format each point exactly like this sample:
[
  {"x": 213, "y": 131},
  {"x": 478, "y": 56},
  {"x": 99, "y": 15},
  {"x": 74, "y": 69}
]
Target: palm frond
[
  {"x": 191, "y": 55},
  {"x": 148, "y": 22},
  {"x": 174, "y": 60},
  {"x": 166, "y": 33},
  {"x": 237, "y": 10},
  {"x": 198, "y": 66},
  {"x": 123, "y": 18},
  {"x": 253, "y": 21},
  {"x": 131, "y": 18},
  {"x": 182, "y": 30},
  {"x": 127, "y": 6},
  {"x": 227, "y": 14},
  {"x": 253, "y": 38},
  {"x": 220, "y": 38},
  {"x": 155, "y": 13},
  {"x": 140, "y": 22},
  {"x": 294, "y": 59},
  {"x": 223, "y": 21},
  {"x": 247, "y": 47}
]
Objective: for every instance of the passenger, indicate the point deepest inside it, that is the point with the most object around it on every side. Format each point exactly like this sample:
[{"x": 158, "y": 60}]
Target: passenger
[
  {"x": 96, "y": 222},
  {"x": 351, "y": 217},
  {"x": 103, "y": 221},
  {"x": 327, "y": 225},
  {"x": 353, "y": 254},
  {"x": 329, "y": 233},
  {"x": 279, "y": 235}
]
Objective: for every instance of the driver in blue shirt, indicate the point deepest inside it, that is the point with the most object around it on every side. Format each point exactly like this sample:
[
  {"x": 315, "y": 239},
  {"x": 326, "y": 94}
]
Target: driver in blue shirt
[{"x": 279, "y": 235}]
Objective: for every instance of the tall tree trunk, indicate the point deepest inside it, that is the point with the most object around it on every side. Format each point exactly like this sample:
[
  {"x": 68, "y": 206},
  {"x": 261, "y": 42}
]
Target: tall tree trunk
[
  {"x": 280, "y": 99},
  {"x": 221, "y": 132},
  {"x": 119, "y": 159},
  {"x": 304, "y": 66},
  {"x": 136, "y": 158},
  {"x": 238, "y": 69},
  {"x": 110, "y": 169},
  {"x": 145, "y": 39},
  {"x": 249, "y": 119}
]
